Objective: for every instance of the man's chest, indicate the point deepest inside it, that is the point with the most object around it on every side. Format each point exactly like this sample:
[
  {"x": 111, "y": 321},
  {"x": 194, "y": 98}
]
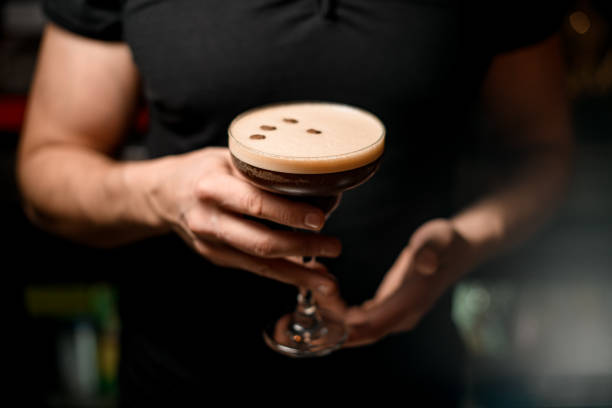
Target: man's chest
[{"x": 203, "y": 56}]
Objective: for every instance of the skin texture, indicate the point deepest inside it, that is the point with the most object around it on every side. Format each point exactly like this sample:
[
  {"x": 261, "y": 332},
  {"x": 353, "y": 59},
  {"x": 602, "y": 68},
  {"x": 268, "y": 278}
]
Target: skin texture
[{"x": 82, "y": 101}]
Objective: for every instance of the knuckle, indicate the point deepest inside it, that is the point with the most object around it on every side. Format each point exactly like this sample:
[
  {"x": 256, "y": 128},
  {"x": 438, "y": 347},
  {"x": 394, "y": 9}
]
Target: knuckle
[
  {"x": 203, "y": 226},
  {"x": 328, "y": 288},
  {"x": 263, "y": 247},
  {"x": 253, "y": 203},
  {"x": 210, "y": 149},
  {"x": 191, "y": 222},
  {"x": 216, "y": 232},
  {"x": 286, "y": 216},
  {"x": 205, "y": 189},
  {"x": 203, "y": 223}
]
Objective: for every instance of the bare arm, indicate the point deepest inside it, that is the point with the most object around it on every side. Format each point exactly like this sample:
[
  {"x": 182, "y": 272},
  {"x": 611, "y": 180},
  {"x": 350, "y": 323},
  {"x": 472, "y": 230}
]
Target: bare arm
[
  {"x": 81, "y": 103},
  {"x": 524, "y": 93},
  {"x": 82, "y": 100}
]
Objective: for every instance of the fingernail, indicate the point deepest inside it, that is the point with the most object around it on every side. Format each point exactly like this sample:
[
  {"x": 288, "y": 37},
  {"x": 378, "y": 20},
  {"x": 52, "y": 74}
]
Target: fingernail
[
  {"x": 324, "y": 290},
  {"x": 314, "y": 220}
]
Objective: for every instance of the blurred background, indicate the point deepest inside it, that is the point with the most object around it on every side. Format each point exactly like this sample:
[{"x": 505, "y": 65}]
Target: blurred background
[{"x": 537, "y": 321}]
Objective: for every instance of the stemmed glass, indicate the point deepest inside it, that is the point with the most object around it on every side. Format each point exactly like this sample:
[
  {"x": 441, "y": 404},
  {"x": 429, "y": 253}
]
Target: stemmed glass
[{"x": 309, "y": 330}]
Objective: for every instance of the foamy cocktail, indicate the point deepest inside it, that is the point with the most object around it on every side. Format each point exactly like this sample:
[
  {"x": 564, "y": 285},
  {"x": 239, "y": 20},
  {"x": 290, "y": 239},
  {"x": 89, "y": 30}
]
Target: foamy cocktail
[{"x": 313, "y": 151}]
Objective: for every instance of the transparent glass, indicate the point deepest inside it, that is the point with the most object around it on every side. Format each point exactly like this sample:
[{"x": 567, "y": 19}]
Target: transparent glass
[{"x": 308, "y": 331}]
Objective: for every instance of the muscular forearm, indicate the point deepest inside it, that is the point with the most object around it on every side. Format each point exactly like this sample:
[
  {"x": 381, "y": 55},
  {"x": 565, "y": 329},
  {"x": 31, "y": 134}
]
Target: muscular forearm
[
  {"x": 518, "y": 207},
  {"x": 525, "y": 102},
  {"x": 86, "y": 196}
]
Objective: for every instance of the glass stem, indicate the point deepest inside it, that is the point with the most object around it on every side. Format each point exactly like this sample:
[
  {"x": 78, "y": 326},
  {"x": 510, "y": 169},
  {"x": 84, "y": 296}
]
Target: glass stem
[
  {"x": 306, "y": 304},
  {"x": 306, "y": 324}
]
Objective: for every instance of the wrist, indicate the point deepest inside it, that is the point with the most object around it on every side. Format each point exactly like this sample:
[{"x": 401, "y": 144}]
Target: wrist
[{"x": 141, "y": 181}]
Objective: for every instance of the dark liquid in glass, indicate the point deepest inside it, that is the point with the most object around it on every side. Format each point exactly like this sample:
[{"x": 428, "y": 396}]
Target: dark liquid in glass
[{"x": 320, "y": 190}]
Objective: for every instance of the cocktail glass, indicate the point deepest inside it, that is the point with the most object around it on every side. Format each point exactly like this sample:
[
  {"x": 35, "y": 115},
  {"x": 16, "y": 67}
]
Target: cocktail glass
[{"x": 309, "y": 330}]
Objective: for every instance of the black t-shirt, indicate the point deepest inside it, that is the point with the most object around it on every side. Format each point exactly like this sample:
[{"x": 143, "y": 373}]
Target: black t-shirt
[{"x": 417, "y": 64}]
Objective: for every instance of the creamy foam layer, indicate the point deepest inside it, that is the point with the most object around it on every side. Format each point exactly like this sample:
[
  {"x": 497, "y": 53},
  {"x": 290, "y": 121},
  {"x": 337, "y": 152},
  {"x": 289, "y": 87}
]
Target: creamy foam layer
[{"x": 307, "y": 137}]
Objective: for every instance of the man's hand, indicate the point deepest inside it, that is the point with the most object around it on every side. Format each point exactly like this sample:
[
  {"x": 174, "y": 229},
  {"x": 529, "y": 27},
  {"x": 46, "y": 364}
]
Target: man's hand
[
  {"x": 436, "y": 256},
  {"x": 203, "y": 198}
]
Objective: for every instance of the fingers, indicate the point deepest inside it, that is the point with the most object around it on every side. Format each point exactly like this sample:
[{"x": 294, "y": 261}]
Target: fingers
[
  {"x": 423, "y": 261},
  {"x": 428, "y": 242},
  {"x": 258, "y": 240},
  {"x": 399, "y": 311},
  {"x": 239, "y": 196},
  {"x": 374, "y": 320},
  {"x": 405, "y": 292},
  {"x": 315, "y": 278},
  {"x": 377, "y": 317},
  {"x": 332, "y": 301}
]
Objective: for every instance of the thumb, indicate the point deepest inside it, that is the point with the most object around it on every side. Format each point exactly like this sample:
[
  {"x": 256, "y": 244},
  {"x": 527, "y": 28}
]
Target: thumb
[{"x": 427, "y": 243}]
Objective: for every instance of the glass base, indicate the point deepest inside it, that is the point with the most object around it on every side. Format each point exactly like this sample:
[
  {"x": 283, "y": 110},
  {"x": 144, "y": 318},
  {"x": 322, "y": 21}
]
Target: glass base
[{"x": 291, "y": 338}]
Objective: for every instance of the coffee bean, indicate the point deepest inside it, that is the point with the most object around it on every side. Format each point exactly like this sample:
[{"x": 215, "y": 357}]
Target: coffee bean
[
  {"x": 257, "y": 137},
  {"x": 314, "y": 131},
  {"x": 289, "y": 120},
  {"x": 267, "y": 127}
]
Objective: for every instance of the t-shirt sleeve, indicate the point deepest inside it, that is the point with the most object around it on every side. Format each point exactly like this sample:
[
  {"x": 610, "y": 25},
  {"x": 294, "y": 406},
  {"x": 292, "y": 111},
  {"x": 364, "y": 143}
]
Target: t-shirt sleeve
[
  {"x": 99, "y": 19},
  {"x": 520, "y": 23}
]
